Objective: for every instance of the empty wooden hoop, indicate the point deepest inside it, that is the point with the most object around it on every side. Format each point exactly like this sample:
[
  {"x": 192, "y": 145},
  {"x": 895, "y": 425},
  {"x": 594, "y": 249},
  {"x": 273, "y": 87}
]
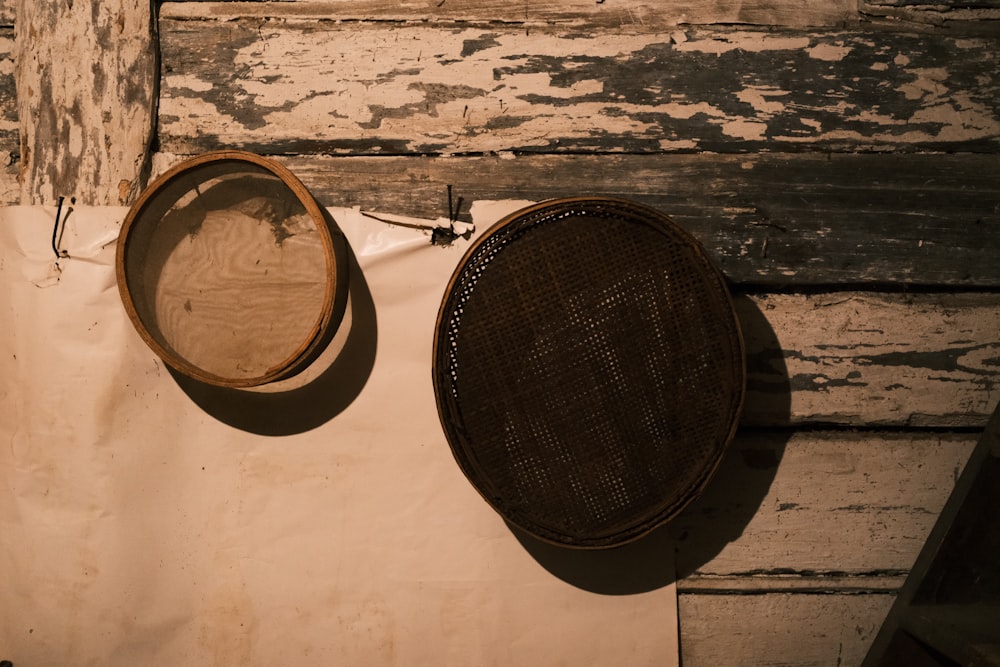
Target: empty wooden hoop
[
  {"x": 589, "y": 369},
  {"x": 229, "y": 270}
]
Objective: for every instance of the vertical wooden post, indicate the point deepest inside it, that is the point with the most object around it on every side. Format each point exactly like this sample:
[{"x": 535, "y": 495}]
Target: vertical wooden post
[{"x": 87, "y": 85}]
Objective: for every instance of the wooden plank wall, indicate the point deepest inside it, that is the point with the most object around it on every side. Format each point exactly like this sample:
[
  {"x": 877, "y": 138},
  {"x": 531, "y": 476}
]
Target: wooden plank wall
[{"x": 840, "y": 160}]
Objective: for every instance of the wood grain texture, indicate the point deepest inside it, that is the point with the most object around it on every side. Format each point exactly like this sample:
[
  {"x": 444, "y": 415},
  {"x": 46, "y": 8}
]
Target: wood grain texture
[
  {"x": 777, "y": 581},
  {"x": 9, "y": 127},
  {"x": 939, "y": 5},
  {"x": 775, "y": 220},
  {"x": 614, "y": 14},
  {"x": 817, "y": 510},
  {"x": 10, "y": 188},
  {"x": 365, "y": 88},
  {"x": 968, "y": 17},
  {"x": 929, "y": 360},
  {"x": 85, "y": 131},
  {"x": 10, "y": 150},
  {"x": 778, "y": 629}
]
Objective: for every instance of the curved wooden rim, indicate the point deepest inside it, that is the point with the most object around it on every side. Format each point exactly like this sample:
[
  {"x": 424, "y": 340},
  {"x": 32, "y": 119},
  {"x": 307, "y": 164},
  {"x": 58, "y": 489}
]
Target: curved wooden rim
[
  {"x": 334, "y": 299},
  {"x": 658, "y": 515}
]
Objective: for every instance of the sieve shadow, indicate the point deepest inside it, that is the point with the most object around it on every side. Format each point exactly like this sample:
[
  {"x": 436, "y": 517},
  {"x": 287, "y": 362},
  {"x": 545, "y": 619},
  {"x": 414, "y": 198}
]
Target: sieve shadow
[
  {"x": 335, "y": 377},
  {"x": 722, "y": 511}
]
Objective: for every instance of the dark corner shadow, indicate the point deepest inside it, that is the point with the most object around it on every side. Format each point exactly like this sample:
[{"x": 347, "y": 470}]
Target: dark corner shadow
[
  {"x": 723, "y": 509},
  {"x": 337, "y": 382}
]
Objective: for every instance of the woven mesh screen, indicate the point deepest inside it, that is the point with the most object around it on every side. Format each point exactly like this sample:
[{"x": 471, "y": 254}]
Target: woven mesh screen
[{"x": 588, "y": 369}]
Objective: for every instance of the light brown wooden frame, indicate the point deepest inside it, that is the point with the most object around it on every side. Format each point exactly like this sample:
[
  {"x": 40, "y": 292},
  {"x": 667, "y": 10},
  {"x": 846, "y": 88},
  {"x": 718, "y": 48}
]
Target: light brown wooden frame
[{"x": 334, "y": 301}]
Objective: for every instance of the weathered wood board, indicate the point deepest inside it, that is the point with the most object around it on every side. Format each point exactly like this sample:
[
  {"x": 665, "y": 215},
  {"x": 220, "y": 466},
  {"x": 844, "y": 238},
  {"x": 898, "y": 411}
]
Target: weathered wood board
[
  {"x": 84, "y": 131},
  {"x": 783, "y": 220},
  {"x": 306, "y": 87},
  {"x": 964, "y": 16},
  {"x": 939, "y": 5},
  {"x": 613, "y": 14},
  {"x": 779, "y": 629},
  {"x": 921, "y": 360},
  {"x": 8, "y": 94},
  {"x": 10, "y": 149},
  {"x": 791, "y": 511}
]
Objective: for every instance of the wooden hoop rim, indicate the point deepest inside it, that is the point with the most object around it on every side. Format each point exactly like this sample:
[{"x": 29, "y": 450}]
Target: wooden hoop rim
[{"x": 335, "y": 294}]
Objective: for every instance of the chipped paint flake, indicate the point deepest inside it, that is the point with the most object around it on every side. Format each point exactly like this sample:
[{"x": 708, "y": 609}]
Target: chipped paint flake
[
  {"x": 757, "y": 97},
  {"x": 745, "y": 129},
  {"x": 678, "y": 144},
  {"x": 927, "y": 82},
  {"x": 829, "y": 52},
  {"x": 755, "y": 42},
  {"x": 192, "y": 83}
]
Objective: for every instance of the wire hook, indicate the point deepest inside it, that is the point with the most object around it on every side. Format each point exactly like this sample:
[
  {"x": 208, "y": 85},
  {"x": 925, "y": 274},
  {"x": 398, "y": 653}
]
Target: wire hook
[{"x": 60, "y": 254}]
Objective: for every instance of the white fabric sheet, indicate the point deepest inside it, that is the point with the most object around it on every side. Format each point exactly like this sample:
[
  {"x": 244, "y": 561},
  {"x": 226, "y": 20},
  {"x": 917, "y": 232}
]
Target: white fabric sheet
[{"x": 142, "y": 523}]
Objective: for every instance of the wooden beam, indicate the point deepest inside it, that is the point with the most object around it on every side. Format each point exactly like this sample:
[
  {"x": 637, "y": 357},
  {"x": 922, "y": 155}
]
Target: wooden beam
[
  {"x": 787, "y": 220},
  {"x": 87, "y": 89},
  {"x": 289, "y": 87}
]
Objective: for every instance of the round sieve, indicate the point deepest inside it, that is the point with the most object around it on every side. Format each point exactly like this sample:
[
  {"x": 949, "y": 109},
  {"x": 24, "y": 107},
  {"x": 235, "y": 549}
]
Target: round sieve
[
  {"x": 588, "y": 369},
  {"x": 229, "y": 270}
]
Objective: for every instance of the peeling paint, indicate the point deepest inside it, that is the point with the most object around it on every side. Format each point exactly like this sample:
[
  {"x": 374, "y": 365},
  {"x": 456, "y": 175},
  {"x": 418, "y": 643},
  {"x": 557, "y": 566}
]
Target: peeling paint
[
  {"x": 753, "y": 42},
  {"x": 411, "y": 89},
  {"x": 192, "y": 83},
  {"x": 757, "y": 98},
  {"x": 745, "y": 129},
  {"x": 829, "y": 52},
  {"x": 678, "y": 144},
  {"x": 926, "y": 83},
  {"x": 865, "y": 373}
]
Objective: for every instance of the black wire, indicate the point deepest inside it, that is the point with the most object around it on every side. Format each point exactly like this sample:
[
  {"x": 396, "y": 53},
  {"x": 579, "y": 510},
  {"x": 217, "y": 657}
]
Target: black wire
[{"x": 55, "y": 230}]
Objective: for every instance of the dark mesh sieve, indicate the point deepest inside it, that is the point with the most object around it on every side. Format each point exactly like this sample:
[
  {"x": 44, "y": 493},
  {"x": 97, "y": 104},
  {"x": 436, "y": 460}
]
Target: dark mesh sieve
[{"x": 589, "y": 369}]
